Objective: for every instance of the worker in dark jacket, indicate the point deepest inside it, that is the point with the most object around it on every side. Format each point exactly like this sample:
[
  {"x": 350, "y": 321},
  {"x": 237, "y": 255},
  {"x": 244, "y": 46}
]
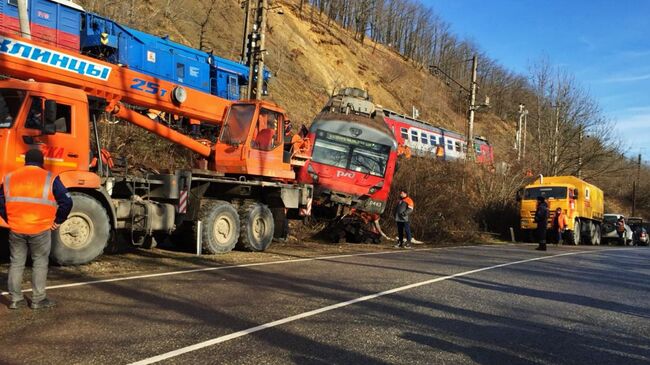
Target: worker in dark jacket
[
  {"x": 34, "y": 203},
  {"x": 403, "y": 210},
  {"x": 541, "y": 218}
]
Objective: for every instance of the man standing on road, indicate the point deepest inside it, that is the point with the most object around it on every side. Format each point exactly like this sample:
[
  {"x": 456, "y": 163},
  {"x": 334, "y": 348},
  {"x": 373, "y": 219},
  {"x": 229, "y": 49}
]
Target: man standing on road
[
  {"x": 559, "y": 224},
  {"x": 541, "y": 218},
  {"x": 34, "y": 203},
  {"x": 402, "y": 212},
  {"x": 620, "y": 230}
]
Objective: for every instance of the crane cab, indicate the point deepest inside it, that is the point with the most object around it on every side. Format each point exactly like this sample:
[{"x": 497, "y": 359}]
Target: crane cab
[
  {"x": 50, "y": 117},
  {"x": 251, "y": 141}
]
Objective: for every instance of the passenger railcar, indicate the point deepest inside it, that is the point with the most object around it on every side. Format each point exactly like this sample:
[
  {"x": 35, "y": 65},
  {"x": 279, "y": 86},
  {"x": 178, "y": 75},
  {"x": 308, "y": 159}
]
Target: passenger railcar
[{"x": 425, "y": 139}]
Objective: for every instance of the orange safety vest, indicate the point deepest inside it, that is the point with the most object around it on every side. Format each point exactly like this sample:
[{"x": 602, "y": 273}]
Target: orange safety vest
[
  {"x": 409, "y": 202},
  {"x": 561, "y": 221},
  {"x": 30, "y": 204}
]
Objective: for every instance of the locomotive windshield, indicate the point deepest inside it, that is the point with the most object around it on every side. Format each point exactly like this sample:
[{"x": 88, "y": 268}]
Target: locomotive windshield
[
  {"x": 350, "y": 153},
  {"x": 552, "y": 192},
  {"x": 10, "y": 102},
  {"x": 235, "y": 128}
]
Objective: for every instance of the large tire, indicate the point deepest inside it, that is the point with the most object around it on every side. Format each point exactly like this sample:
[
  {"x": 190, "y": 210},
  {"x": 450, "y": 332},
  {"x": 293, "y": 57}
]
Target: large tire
[
  {"x": 592, "y": 237},
  {"x": 596, "y": 235},
  {"x": 84, "y": 235},
  {"x": 257, "y": 227},
  {"x": 220, "y": 226},
  {"x": 576, "y": 234},
  {"x": 279, "y": 219}
]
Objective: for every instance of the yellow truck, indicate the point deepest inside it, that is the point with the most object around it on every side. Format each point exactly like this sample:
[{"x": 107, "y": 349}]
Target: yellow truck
[{"x": 583, "y": 204}]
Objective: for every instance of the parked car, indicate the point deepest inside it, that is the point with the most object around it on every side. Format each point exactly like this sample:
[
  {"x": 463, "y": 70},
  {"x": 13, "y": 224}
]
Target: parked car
[
  {"x": 609, "y": 233},
  {"x": 640, "y": 232}
]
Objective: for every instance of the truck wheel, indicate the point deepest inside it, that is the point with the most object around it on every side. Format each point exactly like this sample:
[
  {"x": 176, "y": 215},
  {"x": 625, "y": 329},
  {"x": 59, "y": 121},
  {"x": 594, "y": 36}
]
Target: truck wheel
[
  {"x": 257, "y": 227},
  {"x": 220, "y": 226},
  {"x": 84, "y": 235},
  {"x": 596, "y": 234},
  {"x": 591, "y": 233},
  {"x": 279, "y": 219},
  {"x": 576, "y": 234}
]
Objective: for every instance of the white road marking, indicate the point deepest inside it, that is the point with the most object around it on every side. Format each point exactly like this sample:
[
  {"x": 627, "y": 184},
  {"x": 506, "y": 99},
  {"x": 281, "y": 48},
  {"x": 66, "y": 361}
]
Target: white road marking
[
  {"x": 204, "y": 269},
  {"x": 314, "y": 312}
]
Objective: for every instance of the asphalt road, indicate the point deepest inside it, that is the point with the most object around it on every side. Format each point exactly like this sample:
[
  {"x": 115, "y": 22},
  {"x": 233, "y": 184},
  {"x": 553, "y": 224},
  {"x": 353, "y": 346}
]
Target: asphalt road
[{"x": 463, "y": 305}]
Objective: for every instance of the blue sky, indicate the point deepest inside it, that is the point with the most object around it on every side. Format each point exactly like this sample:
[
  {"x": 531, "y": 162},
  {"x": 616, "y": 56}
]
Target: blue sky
[{"x": 604, "y": 43}]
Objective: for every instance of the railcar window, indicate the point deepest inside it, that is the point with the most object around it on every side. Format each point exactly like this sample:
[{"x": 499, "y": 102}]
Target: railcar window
[
  {"x": 369, "y": 162},
  {"x": 405, "y": 133},
  {"x": 180, "y": 70},
  {"x": 350, "y": 153},
  {"x": 433, "y": 140},
  {"x": 331, "y": 153},
  {"x": 450, "y": 145},
  {"x": 424, "y": 138},
  {"x": 414, "y": 135},
  {"x": 457, "y": 146}
]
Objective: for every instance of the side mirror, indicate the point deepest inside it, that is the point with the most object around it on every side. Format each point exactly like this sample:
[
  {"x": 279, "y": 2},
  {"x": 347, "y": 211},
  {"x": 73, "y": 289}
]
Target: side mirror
[
  {"x": 49, "y": 129},
  {"x": 50, "y": 113},
  {"x": 520, "y": 194}
]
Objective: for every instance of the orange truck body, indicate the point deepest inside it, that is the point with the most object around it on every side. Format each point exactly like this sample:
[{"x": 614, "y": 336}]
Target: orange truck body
[{"x": 237, "y": 173}]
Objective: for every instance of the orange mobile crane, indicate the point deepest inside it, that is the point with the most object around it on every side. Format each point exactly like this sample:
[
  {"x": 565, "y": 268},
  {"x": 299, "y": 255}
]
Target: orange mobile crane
[{"x": 247, "y": 188}]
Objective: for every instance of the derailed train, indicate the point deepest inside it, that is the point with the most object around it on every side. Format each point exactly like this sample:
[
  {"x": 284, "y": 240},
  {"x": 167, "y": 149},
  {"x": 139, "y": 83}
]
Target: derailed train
[{"x": 354, "y": 157}]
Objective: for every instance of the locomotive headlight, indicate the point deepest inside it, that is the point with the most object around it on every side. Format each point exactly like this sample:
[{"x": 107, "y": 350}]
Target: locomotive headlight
[
  {"x": 314, "y": 177},
  {"x": 179, "y": 94},
  {"x": 376, "y": 188}
]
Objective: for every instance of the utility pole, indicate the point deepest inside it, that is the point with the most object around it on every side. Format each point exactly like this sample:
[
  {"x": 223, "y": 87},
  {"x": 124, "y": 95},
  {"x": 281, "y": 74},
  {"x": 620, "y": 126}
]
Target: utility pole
[
  {"x": 244, "y": 45},
  {"x": 255, "y": 50},
  {"x": 471, "y": 152},
  {"x": 24, "y": 19},
  {"x": 556, "y": 137},
  {"x": 523, "y": 151},
  {"x": 635, "y": 183},
  {"x": 519, "y": 134},
  {"x": 580, "y": 138},
  {"x": 262, "y": 8}
]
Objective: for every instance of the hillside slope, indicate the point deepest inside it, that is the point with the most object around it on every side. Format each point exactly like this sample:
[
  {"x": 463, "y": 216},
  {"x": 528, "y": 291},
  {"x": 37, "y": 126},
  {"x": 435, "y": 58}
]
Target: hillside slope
[{"x": 311, "y": 57}]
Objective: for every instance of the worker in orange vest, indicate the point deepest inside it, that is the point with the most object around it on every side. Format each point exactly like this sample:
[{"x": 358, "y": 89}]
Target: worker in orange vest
[
  {"x": 403, "y": 210},
  {"x": 559, "y": 225},
  {"x": 34, "y": 203}
]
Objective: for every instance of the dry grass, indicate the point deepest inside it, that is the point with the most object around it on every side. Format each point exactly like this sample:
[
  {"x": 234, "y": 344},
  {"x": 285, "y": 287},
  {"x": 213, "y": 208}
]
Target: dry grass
[{"x": 456, "y": 201}]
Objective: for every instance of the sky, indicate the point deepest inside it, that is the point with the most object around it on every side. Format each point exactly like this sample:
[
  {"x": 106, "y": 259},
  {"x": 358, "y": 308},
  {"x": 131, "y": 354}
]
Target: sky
[{"x": 605, "y": 44}]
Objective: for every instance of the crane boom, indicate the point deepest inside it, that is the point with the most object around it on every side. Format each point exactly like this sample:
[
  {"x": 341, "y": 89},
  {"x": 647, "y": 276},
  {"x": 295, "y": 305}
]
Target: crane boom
[{"x": 30, "y": 59}]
